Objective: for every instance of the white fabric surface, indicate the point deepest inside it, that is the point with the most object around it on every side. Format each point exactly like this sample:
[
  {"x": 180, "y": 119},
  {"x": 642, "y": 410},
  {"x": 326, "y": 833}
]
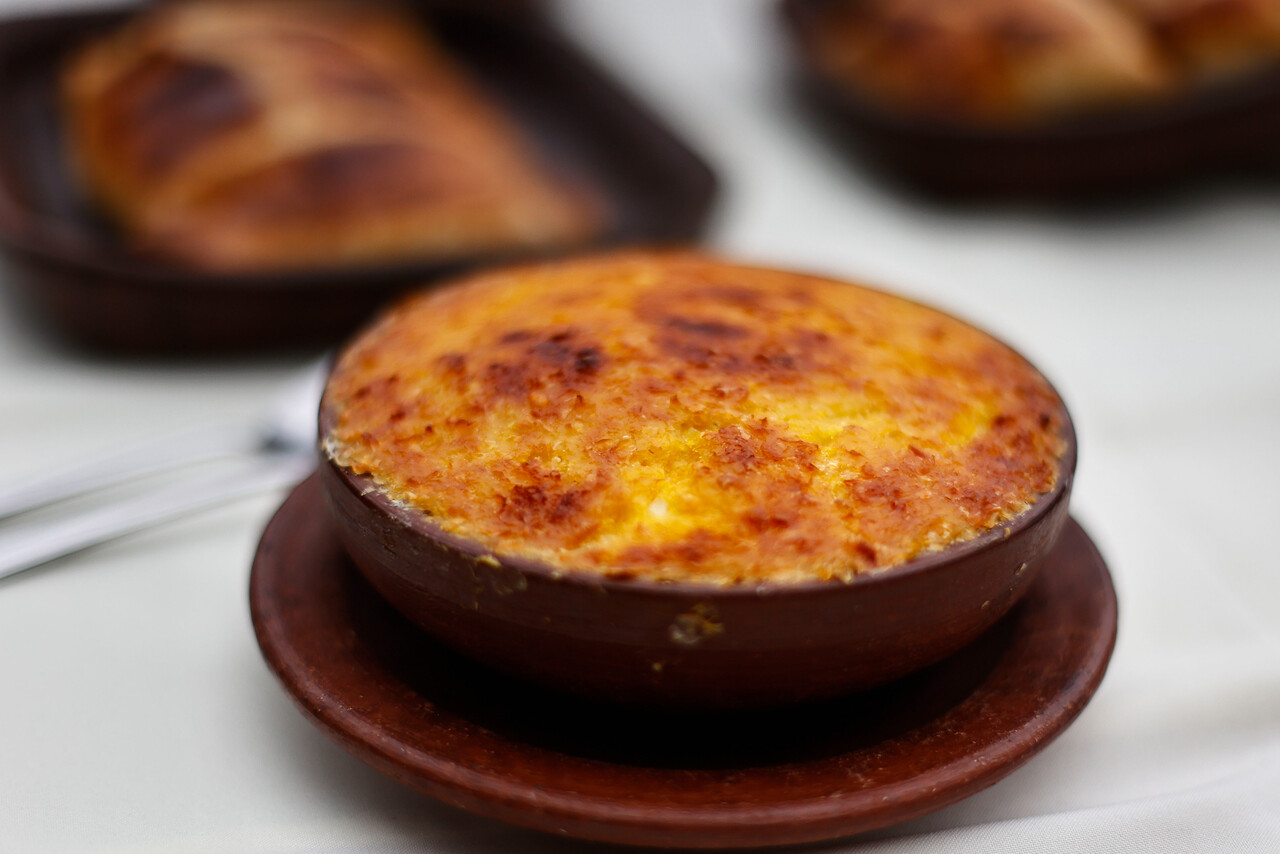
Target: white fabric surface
[{"x": 135, "y": 711}]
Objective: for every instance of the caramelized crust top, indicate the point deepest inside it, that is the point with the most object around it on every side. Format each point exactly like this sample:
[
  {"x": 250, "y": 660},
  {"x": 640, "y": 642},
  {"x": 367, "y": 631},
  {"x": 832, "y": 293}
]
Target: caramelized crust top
[
  {"x": 674, "y": 417},
  {"x": 238, "y": 134}
]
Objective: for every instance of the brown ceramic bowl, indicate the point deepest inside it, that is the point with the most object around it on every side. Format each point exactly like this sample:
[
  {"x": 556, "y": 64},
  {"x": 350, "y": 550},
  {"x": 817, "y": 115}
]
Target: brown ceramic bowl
[{"x": 688, "y": 644}]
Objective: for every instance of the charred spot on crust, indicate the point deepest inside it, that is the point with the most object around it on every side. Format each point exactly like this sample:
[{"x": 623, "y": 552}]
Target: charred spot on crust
[
  {"x": 555, "y": 350},
  {"x": 730, "y": 328},
  {"x": 566, "y": 359},
  {"x": 452, "y": 363},
  {"x": 508, "y": 380},
  {"x": 555, "y": 359},
  {"x": 698, "y": 355},
  {"x": 539, "y": 507},
  {"x": 874, "y": 488},
  {"x": 865, "y": 551},
  {"x": 745, "y": 349},
  {"x": 378, "y": 387},
  {"x": 759, "y": 520},
  {"x": 705, "y": 328},
  {"x": 772, "y": 361},
  {"x": 587, "y": 360},
  {"x": 734, "y": 447},
  {"x": 167, "y": 106},
  {"x": 703, "y": 343},
  {"x": 741, "y": 450}
]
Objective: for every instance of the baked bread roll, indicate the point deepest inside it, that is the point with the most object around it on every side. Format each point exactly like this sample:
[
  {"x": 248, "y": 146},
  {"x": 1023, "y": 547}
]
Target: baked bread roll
[
  {"x": 1213, "y": 39},
  {"x": 988, "y": 61},
  {"x": 248, "y": 135}
]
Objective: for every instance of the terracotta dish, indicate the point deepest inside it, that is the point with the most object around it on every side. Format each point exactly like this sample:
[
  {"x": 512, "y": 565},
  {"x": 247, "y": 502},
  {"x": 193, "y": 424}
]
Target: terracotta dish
[
  {"x": 668, "y": 479},
  {"x": 1045, "y": 98},
  {"x": 435, "y": 721}
]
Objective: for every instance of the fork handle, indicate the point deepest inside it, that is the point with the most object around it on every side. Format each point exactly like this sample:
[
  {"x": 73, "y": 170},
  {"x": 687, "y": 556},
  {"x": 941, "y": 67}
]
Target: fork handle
[
  {"x": 27, "y": 546},
  {"x": 194, "y": 445}
]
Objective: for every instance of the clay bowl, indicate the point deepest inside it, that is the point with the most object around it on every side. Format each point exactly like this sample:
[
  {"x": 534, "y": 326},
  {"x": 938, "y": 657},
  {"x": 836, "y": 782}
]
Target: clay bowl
[{"x": 685, "y": 645}]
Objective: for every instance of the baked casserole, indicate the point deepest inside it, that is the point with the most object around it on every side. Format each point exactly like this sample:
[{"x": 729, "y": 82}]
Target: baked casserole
[{"x": 677, "y": 418}]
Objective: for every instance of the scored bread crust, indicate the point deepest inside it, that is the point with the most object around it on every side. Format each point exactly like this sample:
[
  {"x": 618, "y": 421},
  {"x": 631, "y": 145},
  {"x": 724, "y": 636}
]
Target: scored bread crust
[
  {"x": 1212, "y": 39},
  {"x": 1008, "y": 62},
  {"x": 244, "y": 135},
  {"x": 988, "y": 60},
  {"x": 673, "y": 417}
]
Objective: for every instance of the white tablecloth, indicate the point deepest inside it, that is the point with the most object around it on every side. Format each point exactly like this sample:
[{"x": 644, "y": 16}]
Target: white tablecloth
[{"x": 137, "y": 715}]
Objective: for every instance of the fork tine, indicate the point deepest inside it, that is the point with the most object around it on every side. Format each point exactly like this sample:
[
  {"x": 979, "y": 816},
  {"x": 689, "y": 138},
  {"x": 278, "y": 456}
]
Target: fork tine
[
  {"x": 193, "y": 445},
  {"x": 24, "y": 546}
]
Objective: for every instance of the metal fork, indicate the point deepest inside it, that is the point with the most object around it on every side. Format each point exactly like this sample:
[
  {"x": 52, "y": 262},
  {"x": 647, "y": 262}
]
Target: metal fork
[{"x": 278, "y": 450}]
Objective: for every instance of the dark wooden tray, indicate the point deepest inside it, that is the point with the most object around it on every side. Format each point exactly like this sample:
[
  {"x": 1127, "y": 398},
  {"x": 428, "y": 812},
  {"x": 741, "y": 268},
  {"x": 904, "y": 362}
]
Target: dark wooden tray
[
  {"x": 1228, "y": 129},
  {"x": 78, "y": 275},
  {"x": 454, "y": 730}
]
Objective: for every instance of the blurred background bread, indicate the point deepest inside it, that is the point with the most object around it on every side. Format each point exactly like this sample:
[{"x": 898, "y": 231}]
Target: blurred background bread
[
  {"x": 301, "y": 133},
  {"x": 1007, "y": 62}
]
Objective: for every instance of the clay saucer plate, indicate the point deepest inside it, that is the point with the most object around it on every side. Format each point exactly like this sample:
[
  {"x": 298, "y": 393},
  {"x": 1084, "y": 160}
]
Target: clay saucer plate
[{"x": 447, "y": 727}]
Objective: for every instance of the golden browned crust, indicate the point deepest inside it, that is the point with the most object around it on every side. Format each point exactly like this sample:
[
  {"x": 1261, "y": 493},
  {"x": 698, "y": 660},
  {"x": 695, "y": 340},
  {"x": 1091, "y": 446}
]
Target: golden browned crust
[
  {"x": 988, "y": 60},
  {"x": 1010, "y": 61},
  {"x": 1211, "y": 39},
  {"x": 675, "y": 417},
  {"x": 242, "y": 135}
]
